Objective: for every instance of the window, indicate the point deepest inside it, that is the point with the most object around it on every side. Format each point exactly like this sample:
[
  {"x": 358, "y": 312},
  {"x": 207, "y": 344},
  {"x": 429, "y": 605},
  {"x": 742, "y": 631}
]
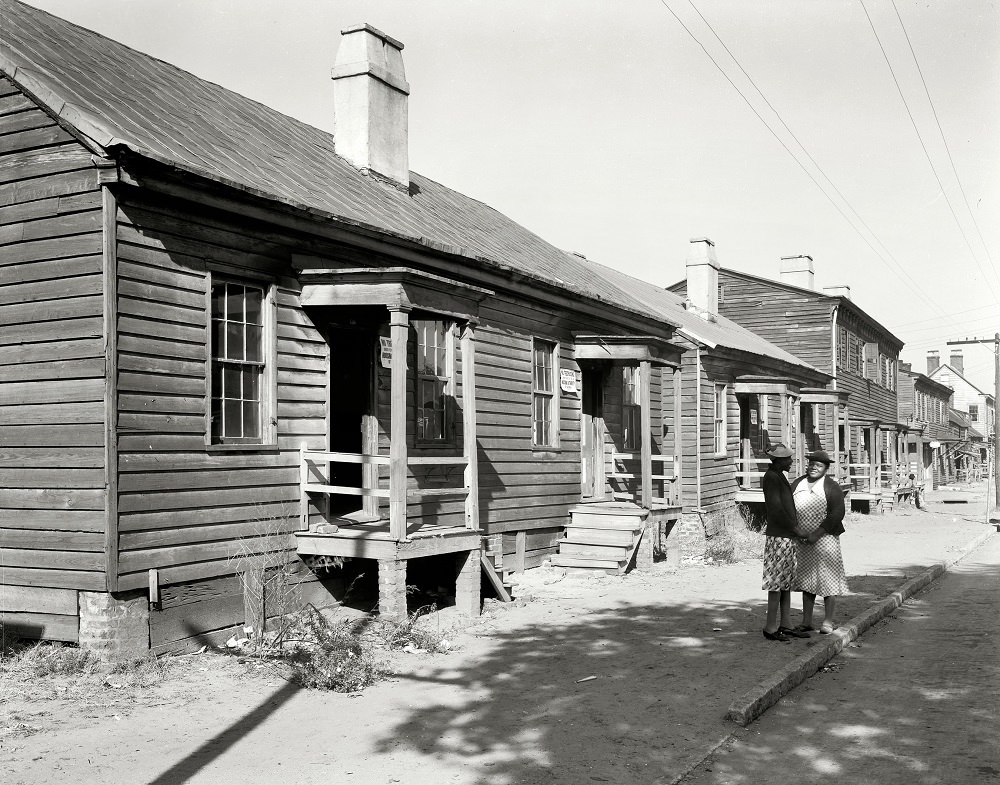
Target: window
[
  {"x": 883, "y": 368},
  {"x": 974, "y": 412},
  {"x": 855, "y": 360},
  {"x": 434, "y": 374},
  {"x": 242, "y": 368},
  {"x": 842, "y": 347},
  {"x": 544, "y": 403},
  {"x": 631, "y": 408},
  {"x": 870, "y": 361},
  {"x": 720, "y": 419}
]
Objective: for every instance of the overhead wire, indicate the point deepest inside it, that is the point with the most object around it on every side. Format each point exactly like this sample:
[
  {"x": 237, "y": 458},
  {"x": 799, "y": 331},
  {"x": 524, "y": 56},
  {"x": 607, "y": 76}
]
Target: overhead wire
[
  {"x": 923, "y": 147},
  {"x": 944, "y": 139},
  {"x": 915, "y": 287}
]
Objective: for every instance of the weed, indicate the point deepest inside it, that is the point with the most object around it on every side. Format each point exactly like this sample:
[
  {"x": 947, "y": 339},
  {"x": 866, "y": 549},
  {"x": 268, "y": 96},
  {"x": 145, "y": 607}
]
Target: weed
[
  {"x": 410, "y": 634},
  {"x": 735, "y": 539},
  {"x": 331, "y": 655}
]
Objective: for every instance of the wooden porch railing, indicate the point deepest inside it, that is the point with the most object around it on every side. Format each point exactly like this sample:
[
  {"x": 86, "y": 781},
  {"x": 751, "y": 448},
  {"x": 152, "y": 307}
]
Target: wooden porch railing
[
  {"x": 310, "y": 458},
  {"x": 620, "y": 458},
  {"x": 749, "y": 472}
]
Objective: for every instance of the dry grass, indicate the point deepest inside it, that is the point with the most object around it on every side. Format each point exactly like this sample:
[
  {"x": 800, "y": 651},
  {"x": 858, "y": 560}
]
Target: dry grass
[{"x": 736, "y": 538}]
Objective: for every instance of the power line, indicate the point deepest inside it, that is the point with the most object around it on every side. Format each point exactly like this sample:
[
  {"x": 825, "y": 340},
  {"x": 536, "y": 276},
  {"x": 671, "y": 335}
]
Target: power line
[
  {"x": 953, "y": 313},
  {"x": 900, "y": 269},
  {"x": 923, "y": 147},
  {"x": 944, "y": 139}
]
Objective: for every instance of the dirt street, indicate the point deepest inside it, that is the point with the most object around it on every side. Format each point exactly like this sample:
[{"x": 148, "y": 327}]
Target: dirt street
[{"x": 512, "y": 703}]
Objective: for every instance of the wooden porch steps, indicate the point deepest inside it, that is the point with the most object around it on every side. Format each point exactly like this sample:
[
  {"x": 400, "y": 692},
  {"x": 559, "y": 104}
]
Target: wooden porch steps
[{"x": 602, "y": 536}]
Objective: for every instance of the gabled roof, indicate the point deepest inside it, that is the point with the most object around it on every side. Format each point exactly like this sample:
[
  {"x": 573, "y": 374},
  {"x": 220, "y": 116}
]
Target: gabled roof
[
  {"x": 116, "y": 98},
  {"x": 951, "y": 370},
  {"x": 843, "y": 302},
  {"x": 928, "y": 382},
  {"x": 721, "y": 332}
]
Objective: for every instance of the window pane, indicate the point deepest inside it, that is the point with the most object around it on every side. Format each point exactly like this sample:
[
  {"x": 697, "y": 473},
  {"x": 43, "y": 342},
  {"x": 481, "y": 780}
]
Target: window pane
[
  {"x": 232, "y": 418},
  {"x": 251, "y": 419},
  {"x": 217, "y": 380},
  {"x": 234, "y": 341},
  {"x": 216, "y": 419},
  {"x": 218, "y": 339},
  {"x": 254, "y": 298},
  {"x": 251, "y": 384},
  {"x": 219, "y": 301},
  {"x": 232, "y": 386},
  {"x": 234, "y": 302},
  {"x": 255, "y": 347}
]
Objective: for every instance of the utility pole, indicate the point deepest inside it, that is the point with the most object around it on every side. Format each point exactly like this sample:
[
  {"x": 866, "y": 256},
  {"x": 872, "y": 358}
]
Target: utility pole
[{"x": 995, "y": 340}]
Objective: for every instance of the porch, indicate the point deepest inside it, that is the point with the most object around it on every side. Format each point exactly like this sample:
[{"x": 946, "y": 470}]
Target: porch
[{"x": 398, "y": 479}]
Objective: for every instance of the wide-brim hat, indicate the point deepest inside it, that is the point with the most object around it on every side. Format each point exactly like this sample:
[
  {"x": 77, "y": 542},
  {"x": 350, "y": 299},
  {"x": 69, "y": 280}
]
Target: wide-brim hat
[
  {"x": 779, "y": 451},
  {"x": 820, "y": 455}
]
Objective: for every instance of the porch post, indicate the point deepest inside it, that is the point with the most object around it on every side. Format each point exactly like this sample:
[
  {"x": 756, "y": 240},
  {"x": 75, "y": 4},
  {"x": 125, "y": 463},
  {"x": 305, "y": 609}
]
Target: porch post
[
  {"x": 872, "y": 456},
  {"x": 835, "y": 416},
  {"x": 646, "y": 425},
  {"x": 795, "y": 428},
  {"x": 399, "y": 324},
  {"x": 919, "y": 456},
  {"x": 469, "y": 426}
]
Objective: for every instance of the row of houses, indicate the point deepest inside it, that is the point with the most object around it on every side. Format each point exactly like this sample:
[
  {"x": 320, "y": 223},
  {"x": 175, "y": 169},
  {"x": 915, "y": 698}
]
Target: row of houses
[{"x": 224, "y": 332}]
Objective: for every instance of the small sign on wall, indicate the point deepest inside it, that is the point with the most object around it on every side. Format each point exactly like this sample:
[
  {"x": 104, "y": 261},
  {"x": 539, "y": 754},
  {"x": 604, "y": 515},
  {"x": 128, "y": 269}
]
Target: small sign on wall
[
  {"x": 567, "y": 380},
  {"x": 385, "y": 351}
]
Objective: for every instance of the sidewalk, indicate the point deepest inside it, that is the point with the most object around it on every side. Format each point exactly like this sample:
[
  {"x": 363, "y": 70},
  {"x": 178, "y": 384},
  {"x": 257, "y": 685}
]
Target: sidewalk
[{"x": 587, "y": 680}]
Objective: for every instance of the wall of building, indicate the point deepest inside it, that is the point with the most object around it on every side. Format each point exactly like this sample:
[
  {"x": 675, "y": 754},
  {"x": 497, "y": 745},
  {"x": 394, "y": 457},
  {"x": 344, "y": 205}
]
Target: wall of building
[{"x": 52, "y": 368}]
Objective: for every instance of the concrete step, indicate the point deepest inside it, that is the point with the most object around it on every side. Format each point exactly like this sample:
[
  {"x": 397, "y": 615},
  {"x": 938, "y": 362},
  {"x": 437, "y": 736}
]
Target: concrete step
[{"x": 600, "y": 564}]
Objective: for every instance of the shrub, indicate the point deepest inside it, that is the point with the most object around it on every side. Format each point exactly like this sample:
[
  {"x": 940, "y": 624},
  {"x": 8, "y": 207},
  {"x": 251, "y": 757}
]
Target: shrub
[
  {"x": 736, "y": 537},
  {"x": 331, "y": 655}
]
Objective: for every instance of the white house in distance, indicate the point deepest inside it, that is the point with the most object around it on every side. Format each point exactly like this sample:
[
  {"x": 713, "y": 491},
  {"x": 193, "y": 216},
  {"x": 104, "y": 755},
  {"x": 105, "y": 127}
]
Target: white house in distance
[{"x": 968, "y": 397}]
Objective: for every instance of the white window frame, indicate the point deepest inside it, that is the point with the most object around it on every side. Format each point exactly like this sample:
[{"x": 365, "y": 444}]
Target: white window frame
[
  {"x": 267, "y": 382},
  {"x": 631, "y": 407},
  {"x": 443, "y": 374},
  {"x": 719, "y": 434},
  {"x": 546, "y": 396}
]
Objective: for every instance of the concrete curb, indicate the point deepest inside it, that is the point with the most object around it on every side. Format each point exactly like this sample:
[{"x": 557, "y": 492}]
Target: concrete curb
[{"x": 756, "y": 701}]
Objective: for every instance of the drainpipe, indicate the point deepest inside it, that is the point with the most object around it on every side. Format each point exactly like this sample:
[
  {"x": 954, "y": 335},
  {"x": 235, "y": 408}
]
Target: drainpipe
[{"x": 833, "y": 344}]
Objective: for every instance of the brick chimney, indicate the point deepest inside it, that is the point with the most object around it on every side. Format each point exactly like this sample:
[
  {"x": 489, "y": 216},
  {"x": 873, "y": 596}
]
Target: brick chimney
[
  {"x": 797, "y": 271},
  {"x": 838, "y": 291},
  {"x": 933, "y": 361},
  {"x": 957, "y": 361},
  {"x": 370, "y": 103},
  {"x": 703, "y": 277}
]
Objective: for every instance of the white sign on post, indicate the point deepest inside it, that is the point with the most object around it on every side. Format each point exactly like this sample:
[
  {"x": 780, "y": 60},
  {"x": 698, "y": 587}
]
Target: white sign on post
[
  {"x": 385, "y": 355},
  {"x": 567, "y": 380}
]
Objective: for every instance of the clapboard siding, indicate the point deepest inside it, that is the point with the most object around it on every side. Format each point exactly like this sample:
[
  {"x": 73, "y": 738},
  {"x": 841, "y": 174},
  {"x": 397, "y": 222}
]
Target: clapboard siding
[
  {"x": 185, "y": 508},
  {"x": 52, "y": 372}
]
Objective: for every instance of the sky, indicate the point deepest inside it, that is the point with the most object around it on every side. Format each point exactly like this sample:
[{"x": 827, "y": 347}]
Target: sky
[{"x": 864, "y": 134}]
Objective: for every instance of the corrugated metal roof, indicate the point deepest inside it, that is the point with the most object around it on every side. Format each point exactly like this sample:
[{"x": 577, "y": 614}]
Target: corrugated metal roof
[{"x": 117, "y": 96}]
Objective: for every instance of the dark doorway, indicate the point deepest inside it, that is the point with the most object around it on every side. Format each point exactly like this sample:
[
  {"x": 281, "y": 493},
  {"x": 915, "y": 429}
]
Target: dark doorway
[{"x": 352, "y": 355}]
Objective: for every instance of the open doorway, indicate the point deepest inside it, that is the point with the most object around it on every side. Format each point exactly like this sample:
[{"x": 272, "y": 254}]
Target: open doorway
[{"x": 351, "y": 412}]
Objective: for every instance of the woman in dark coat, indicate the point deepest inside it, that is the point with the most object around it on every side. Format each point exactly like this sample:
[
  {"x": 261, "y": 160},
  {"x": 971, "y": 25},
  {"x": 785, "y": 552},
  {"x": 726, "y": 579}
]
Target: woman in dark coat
[
  {"x": 819, "y": 504},
  {"x": 779, "y": 548}
]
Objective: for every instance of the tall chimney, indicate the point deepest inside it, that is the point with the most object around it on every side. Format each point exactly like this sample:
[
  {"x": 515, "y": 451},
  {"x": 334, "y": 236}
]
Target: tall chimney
[
  {"x": 933, "y": 361},
  {"x": 797, "y": 271},
  {"x": 957, "y": 361},
  {"x": 703, "y": 277},
  {"x": 370, "y": 97},
  {"x": 838, "y": 291}
]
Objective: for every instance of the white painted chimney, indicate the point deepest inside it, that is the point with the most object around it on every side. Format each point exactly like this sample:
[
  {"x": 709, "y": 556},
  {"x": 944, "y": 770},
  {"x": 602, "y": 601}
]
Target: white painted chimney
[
  {"x": 703, "y": 277},
  {"x": 797, "y": 271},
  {"x": 370, "y": 96},
  {"x": 838, "y": 291}
]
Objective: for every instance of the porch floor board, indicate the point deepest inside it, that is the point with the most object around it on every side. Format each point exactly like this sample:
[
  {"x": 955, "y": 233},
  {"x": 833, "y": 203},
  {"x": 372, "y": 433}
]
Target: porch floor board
[{"x": 373, "y": 541}]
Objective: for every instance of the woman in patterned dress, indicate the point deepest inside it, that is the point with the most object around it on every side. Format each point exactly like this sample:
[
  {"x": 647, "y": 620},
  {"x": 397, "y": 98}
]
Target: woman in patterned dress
[
  {"x": 819, "y": 504},
  {"x": 779, "y": 548}
]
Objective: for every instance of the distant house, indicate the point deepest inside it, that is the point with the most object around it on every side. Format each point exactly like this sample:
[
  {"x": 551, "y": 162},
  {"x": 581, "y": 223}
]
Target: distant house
[
  {"x": 967, "y": 398},
  {"x": 226, "y": 332},
  {"x": 960, "y": 459},
  {"x": 924, "y": 406},
  {"x": 834, "y": 335}
]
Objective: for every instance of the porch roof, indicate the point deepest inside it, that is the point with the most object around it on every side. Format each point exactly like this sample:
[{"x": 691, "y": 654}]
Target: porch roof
[
  {"x": 397, "y": 288},
  {"x": 627, "y": 347}
]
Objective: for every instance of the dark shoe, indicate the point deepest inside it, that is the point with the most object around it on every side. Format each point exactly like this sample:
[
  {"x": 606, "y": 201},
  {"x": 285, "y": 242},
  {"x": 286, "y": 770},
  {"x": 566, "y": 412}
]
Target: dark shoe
[
  {"x": 805, "y": 628},
  {"x": 777, "y": 636},
  {"x": 794, "y": 632}
]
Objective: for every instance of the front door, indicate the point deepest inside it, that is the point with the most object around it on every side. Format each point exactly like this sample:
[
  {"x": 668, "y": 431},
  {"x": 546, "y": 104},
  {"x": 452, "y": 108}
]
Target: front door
[
  {"x": 351, "y": 414},
  {"x": 592, "y": 434}
]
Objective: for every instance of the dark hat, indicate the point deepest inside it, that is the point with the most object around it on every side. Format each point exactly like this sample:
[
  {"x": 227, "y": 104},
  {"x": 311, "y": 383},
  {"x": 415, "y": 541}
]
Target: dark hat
[
  {"x": 779, "y": 451},
  {"x": 821, "y": 456}
]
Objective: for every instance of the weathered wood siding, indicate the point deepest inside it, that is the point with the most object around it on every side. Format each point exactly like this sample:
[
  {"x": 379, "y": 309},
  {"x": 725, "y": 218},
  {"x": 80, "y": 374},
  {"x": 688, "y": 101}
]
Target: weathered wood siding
[
  {"x": 52, "y": 366},
  {"x": 186, "y": 509}
]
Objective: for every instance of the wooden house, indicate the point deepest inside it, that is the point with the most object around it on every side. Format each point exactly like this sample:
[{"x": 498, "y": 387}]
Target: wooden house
[
  {"x": 833, "y": 334},
  {"x": 923, "y": 410},
  {"x": 967, "y": 397},
  {"x": 224, "y": 332},
  {"x": 741, "y": 394}
]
